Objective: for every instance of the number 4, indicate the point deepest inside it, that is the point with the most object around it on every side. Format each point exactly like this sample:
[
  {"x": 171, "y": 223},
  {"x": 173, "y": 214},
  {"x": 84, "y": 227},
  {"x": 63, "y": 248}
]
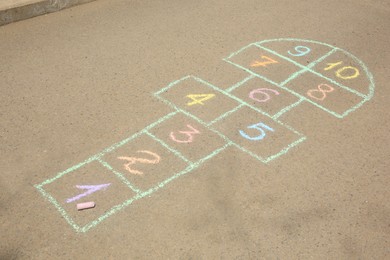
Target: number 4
[{"x": 199, "y": 98}]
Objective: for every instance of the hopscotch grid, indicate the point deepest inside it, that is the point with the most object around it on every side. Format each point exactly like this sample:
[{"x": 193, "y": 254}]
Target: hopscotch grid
[
  {"x": 193, "y": 166},
  {"x": 166, "y": 146},
  {"x": 312, "y": 71},
  {"x": 120, "y": 176}
]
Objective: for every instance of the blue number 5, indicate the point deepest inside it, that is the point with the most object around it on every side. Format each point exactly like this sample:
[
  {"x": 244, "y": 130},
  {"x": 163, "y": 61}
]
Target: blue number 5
[{"x": 259, "y": 127}]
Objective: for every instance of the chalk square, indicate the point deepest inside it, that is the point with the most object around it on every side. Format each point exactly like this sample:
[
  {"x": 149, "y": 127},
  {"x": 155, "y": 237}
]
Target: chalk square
[
  {"x": 144, "y": 162},
  {"x": 66, "y": 192},
  {"x": 263, "y": 63},
  {"x": 199, "y": 98},
  {"x": 335, "y": 100},
  {"x": 345, "y": 69},
  {"x": 265, "y": 96},
  {"x": 193, "y": 146},
  {"x": 303, "y": 52},
  {"x": 257, "y": 134}
]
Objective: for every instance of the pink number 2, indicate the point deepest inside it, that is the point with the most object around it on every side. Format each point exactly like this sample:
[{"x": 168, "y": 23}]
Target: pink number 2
[{"x": 263, "y": 92}]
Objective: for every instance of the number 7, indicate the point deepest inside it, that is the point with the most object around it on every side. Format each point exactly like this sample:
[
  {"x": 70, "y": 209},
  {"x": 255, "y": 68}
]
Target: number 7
[{"x": 257, "y": 63}]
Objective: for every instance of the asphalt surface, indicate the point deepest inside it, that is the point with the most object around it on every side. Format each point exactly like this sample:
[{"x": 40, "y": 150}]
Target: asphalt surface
[{"x": 190, "y": 146}]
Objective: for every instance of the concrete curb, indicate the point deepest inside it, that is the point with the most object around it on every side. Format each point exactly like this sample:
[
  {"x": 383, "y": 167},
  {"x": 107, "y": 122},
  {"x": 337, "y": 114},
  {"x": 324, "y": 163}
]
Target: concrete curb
[{"x": 31, "y": 8}]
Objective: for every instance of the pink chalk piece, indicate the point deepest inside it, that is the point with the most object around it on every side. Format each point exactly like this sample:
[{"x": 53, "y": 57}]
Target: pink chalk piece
[{"x": 85, "y": 205}]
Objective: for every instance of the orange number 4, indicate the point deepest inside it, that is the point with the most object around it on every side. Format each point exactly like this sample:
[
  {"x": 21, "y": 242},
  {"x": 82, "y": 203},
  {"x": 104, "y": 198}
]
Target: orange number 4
[{"x": 267, "y": 61}]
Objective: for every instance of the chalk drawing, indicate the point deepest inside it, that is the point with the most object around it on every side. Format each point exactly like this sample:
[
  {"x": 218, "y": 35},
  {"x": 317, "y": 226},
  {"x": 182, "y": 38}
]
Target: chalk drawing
[
  {"x": 267, "y": 61},
  {"x": 345, "y": 73},
  {"x": 300, "y": 51},
  {"x": 340, "y": 71},
  {"x": 320, "y": 89},
  {"x": 199, "y": 98},
  {"x": 89, "y": 190},
  {"x": 133, "y": 160},
  {"x": 189, "y": 134},
  {"x": 262, "y": 91},
  {"x": 259, "y": 127}
]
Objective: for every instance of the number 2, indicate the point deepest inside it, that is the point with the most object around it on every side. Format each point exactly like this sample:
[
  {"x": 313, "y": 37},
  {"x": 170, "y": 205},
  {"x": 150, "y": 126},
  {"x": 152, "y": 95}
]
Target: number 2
[
  {"x": 133, "y": 160},
  {"x": 259, "y": 127}
]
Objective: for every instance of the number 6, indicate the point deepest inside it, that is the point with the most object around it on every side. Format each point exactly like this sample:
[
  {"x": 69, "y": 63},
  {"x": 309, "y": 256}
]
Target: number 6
[{"x": 262, "y": 91}]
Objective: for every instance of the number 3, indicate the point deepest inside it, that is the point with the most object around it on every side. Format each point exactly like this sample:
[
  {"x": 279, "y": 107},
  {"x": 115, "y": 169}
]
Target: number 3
[{"x": 259, "y": 127}]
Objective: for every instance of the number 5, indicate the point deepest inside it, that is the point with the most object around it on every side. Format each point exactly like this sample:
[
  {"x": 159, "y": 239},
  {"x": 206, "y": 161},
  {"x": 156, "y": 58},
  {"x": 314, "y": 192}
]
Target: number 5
[{"x": 259, "y": 127}]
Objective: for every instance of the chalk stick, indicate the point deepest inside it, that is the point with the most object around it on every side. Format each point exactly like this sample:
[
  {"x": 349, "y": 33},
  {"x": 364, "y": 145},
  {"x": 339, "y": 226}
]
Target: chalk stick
[{"x": 85, "y": 205}]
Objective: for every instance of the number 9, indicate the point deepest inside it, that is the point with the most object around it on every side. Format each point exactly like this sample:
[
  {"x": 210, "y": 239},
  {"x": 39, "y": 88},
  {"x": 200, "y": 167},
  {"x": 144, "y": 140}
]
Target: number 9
[{"x": 301, "y": 51}]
